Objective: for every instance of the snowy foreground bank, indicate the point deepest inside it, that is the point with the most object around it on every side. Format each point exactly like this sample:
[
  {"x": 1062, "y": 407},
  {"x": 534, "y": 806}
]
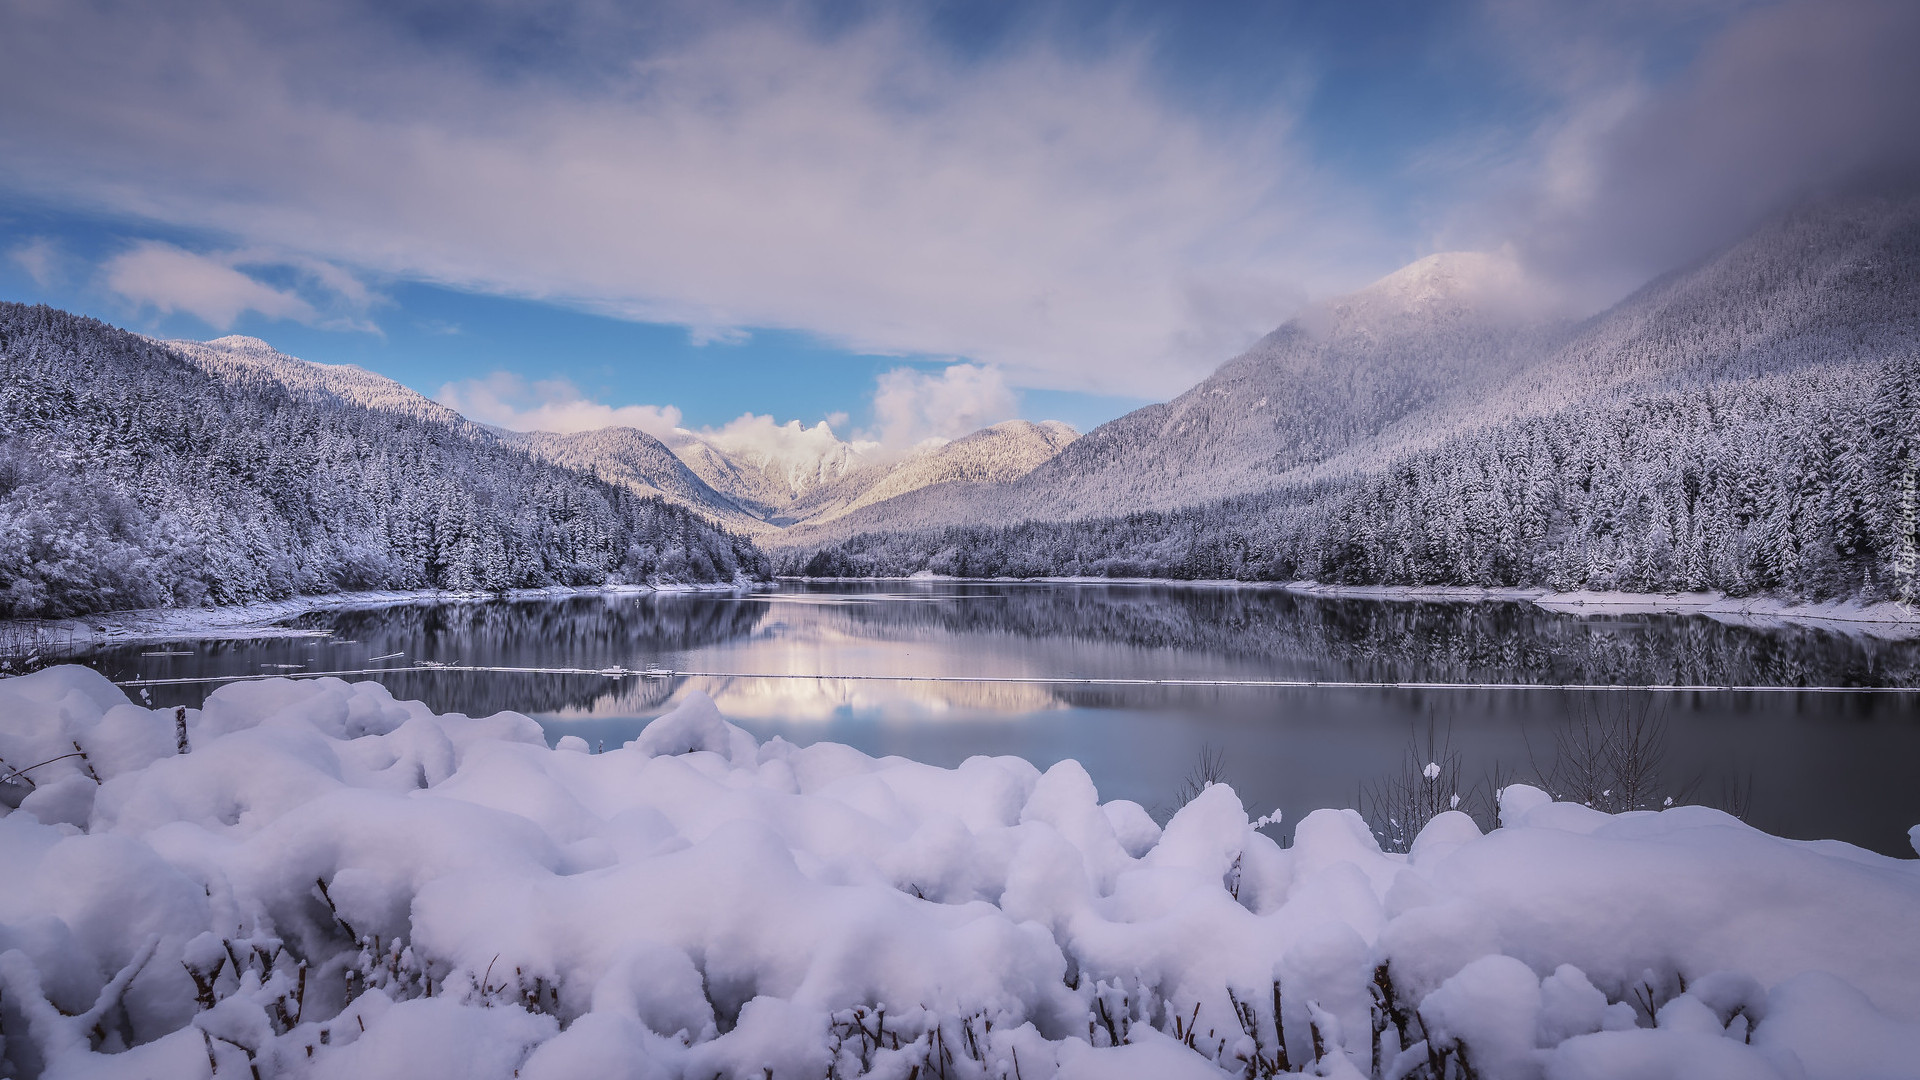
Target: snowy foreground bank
[{"x": 335, "y": 884}]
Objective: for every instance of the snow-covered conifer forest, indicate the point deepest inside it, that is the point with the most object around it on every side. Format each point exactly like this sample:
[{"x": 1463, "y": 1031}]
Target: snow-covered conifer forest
[
  {"x": 130, "y": 476},
  {"x": 1793, "y": 485}
]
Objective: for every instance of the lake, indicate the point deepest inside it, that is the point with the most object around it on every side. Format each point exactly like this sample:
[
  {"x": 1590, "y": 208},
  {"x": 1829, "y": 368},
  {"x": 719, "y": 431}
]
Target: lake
[{"x": 1809, "y": 765}]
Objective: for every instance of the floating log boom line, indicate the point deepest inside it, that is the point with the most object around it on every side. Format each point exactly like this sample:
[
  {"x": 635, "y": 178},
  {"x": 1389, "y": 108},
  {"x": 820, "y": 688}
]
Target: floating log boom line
[{"x": 1026, "y": 680}]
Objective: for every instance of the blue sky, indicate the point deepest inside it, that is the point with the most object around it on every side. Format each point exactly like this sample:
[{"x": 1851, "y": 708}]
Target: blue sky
[{"x": 906, "y": 219}]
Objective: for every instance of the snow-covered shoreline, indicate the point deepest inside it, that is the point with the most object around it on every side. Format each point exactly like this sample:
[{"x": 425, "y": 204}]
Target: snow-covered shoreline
[
  {"x": 332, "y": 884},
  {"x": 1881, "y": 619},
  {"x": 257, "y": 619}
]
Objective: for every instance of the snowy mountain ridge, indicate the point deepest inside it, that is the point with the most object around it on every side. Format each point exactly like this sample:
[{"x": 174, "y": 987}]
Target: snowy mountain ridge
[
  {"x": 638, "y": 461},
  {"x": 1455, "y": 350},
  {"x": 1439, "y": 332},
  {"x": 767, "y": 466},
  {"x": 1444, "y": 285},
  {"x": 752, "y": 477},
  {"x": 238, "y": 357},
  {"x": 998, "y": 454}
]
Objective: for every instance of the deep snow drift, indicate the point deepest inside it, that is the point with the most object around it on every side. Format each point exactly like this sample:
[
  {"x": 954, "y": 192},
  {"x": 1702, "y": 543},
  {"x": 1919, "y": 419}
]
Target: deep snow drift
[{"x": 334, "y": 884}]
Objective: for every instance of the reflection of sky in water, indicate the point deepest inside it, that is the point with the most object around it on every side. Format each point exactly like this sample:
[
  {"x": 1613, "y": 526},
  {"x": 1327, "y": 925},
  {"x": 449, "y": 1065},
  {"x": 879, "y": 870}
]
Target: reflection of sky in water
[{"x": 807, "y": 699}]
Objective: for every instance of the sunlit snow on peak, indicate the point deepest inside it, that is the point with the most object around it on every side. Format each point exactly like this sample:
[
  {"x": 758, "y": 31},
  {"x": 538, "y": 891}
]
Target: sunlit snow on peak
[{"x": 1453, "y": 283}]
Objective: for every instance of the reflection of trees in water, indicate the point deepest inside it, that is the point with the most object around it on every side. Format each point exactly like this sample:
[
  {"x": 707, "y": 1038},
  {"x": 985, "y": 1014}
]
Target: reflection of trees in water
[
  {"x": 586, "y": 628},
  {"x": 1296, "y": 636},
  {"x": 583, "y": 631},
  {"x": 1398, "y": 641}
]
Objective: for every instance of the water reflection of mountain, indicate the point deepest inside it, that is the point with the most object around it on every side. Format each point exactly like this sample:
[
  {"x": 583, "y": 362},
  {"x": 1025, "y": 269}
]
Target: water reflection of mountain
[
  {"x": 1373, "y": 640},
  {"x": 801, "y": 699}
]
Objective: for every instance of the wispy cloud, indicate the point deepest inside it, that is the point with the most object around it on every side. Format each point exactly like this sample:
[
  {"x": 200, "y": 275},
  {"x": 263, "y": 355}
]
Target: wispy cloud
[
  {"x": 910, "y": 406},
  {"x": 718, "y": 335},
  {"x": 39, "y": 256},
  {"x": 759, "y": 438},
  {"x": 171, "y": 279},
  {"x": 1053, "y": 207},
  {"x": 1043, "y": 210},
  {"x": 214, "y": 288},
  {"x": 506, "y": 400},
  {"x": 1637, "y": 169}
]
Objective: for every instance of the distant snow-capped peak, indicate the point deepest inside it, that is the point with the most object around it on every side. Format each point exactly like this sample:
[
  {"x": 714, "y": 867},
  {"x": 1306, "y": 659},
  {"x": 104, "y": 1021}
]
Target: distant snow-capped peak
[
  {"x": 800, "y": 457},
  {"x": 1450, "y": 284}
]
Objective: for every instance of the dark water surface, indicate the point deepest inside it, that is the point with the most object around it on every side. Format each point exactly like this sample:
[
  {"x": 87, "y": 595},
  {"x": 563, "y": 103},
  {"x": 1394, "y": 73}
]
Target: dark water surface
[{"x": 1806, "y": 765}]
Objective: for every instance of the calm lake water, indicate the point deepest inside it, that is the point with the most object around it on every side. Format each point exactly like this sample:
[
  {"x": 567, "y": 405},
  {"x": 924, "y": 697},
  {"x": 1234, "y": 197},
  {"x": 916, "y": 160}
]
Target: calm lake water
[{"x": 1805, "y": 765}]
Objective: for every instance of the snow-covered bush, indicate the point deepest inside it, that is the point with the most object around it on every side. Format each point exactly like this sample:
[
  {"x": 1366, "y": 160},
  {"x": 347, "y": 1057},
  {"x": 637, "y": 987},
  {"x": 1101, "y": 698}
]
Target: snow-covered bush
[{"x": 335, "y": 884}]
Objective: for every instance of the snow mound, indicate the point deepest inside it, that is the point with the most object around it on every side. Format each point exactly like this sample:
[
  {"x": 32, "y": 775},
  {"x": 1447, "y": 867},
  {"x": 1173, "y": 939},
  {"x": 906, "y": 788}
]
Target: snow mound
[{"x": 334, "y": 883}]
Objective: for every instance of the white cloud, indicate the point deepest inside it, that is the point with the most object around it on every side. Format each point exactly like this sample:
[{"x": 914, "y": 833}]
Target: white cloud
[
  {"x": 1635, "y": 170},
  {"x": 762, "y": 438},
  {"x": 173, "y": 279},
  {"x": 506, "y": 400},
  {"x": 1045, "y": 212},
  {"x": 910, "y": 406},
  {"x": 213, "y": 288},
  {"x": 718, "y": 335},
  {"x": 38, "y": 257}
]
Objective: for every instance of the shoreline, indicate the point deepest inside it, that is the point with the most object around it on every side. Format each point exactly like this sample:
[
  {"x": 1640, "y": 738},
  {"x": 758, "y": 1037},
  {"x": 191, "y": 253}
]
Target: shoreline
[
  {"x": 1885, "y": 619},
  {"x": 256, "y": 619}
]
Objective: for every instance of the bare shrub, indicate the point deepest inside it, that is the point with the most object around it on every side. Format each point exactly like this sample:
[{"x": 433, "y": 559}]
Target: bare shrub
[
  {"x": 1610, "y": 756},
  {"x": 1397, "y": 806},
  {"x": 1210, "y": 769}
]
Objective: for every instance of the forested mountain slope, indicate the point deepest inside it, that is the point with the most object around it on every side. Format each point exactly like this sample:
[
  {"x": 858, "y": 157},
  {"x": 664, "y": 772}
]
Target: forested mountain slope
[
  {"x": 1748, "y": 424},
  {"x": 638, "y": 461},
  {"x": 1432, "y": 333},
  {"x": 803, "y": 475},
  {"x": 241, "y": 360},
  {"x": 1796, "y": 485},
  {"x": 619, "y": 455},
  {"x": 1831, "y": 283},
  {"x": 133, "y": 476}
]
